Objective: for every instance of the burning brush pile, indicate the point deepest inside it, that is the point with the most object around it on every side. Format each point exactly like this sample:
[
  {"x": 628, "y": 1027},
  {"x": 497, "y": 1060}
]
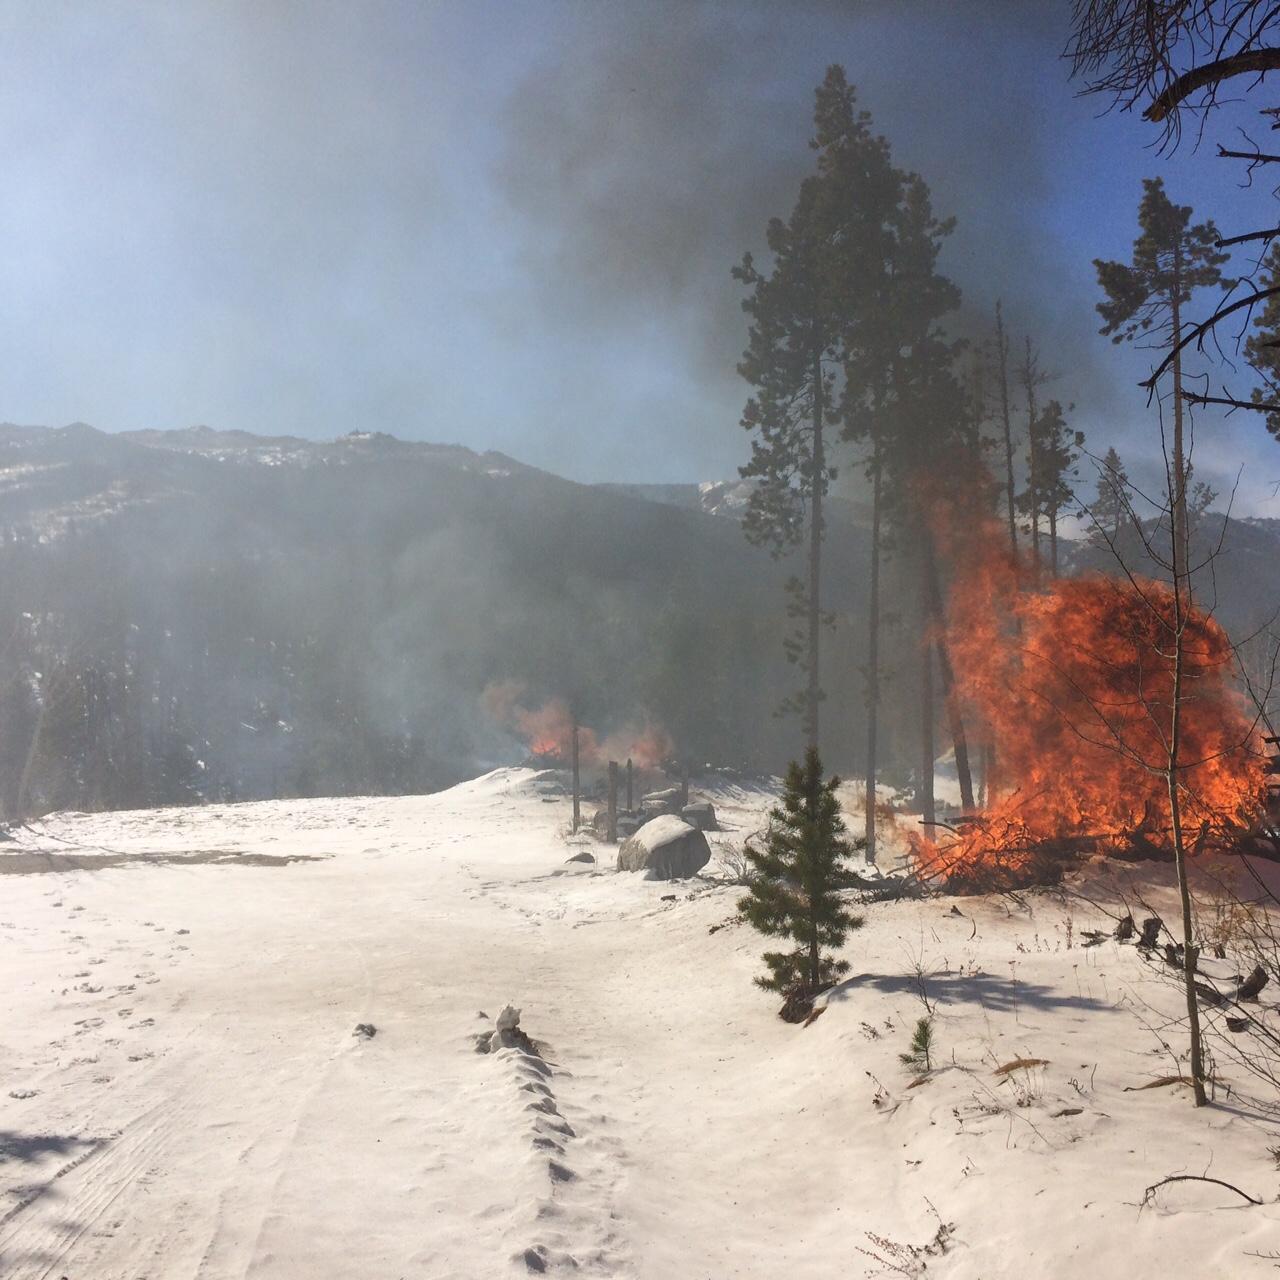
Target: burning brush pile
[
  {"x": 547, "y": 730},
  {"x": 1067, "y": 685}
]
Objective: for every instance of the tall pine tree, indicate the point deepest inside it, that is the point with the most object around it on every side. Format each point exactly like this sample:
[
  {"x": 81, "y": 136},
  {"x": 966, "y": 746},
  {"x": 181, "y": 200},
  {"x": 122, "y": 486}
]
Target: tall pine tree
[
  {"x": 1144, "y": 299},
  {"x": 796, "y": 311}
]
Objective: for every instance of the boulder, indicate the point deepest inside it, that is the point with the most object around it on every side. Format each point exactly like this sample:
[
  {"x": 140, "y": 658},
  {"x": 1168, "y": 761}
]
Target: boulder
[
  {"x": 628, "y": 823},
  {"x": 582, "y": 857},
  {"x": 700, "y": 814},
  {"x": 667, "y": 848},
  {"x": 659, "y": 802}
]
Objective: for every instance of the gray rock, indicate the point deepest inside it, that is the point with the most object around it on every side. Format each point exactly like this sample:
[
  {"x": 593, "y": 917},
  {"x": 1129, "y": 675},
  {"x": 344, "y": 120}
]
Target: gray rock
[
  {"x": 700, "y": 814},
  {"x": 582, "y": 857},
  {"x": 667, "y": 848},
  {"x": 659, "y": 802}
]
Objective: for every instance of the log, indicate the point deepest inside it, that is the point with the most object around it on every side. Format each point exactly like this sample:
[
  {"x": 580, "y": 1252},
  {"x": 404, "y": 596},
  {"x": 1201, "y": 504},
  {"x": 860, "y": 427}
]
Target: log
[{"x": 1253, "y": 984}]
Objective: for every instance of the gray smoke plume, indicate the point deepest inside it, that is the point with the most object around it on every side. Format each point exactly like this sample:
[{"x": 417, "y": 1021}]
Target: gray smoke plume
[{"x": 648, "y": 152}]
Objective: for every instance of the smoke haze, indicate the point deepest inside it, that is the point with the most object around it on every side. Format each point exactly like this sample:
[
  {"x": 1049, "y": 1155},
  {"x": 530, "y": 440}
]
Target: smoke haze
[{"x": 513, "y": 227}]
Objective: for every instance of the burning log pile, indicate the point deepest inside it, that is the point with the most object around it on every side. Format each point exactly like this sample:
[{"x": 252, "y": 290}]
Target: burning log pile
[{"x": 1068, "y": 684}]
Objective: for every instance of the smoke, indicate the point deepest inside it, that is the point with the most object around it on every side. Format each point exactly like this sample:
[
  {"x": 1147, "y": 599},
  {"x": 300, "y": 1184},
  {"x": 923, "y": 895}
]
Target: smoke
[{"x": 648, "y": 153}]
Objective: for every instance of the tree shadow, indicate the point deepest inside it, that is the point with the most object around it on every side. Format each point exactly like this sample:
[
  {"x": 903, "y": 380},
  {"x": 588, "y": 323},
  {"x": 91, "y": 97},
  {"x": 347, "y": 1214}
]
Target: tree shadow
[
  {"x": 27, "y": 1148},
  {"x": 988, "y": 990},
  {"x": 18, "y": 1150}
]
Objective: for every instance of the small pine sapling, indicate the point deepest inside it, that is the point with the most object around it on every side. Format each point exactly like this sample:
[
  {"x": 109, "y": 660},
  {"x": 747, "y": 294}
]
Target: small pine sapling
[
  {"x": 920, "y": 1058},
  {"x": 795, "y": 887}
]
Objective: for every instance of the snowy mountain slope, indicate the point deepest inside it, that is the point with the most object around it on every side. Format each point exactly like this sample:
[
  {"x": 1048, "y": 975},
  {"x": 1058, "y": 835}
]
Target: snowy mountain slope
[
  {"x": 184, "y": 1094},
  {"x": 224, "y": 616}
]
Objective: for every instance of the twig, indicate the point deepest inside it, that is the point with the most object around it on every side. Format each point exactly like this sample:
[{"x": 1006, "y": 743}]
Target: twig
[{"x": 1194, "y": 1177}]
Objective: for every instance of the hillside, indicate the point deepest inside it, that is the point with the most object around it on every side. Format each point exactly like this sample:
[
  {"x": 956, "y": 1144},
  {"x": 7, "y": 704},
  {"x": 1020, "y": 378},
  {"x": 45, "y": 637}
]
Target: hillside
[{"x": 204, "y": 614}]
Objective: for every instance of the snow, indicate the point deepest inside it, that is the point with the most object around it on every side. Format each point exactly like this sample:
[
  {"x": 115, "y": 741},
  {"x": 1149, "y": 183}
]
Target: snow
[
  {"x": 661, "y": 830},
  {"x": 183, "y": 1092}
]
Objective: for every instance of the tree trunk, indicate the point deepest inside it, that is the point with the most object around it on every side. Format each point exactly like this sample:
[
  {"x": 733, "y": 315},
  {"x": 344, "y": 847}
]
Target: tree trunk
[
  {"x": 928, "y": 812},
  {"x": 1182, "y": 604},
  {"x": 577, "y": 787},
  {"x": 1002, "y": 350},
  {"x": 1053, "y": 541},
  {"x": 955, "y": 719},
  {"x": 1033, "y": 460},
  {"x": 813, "y": 694},
  {"x": 873, "y": 654}
]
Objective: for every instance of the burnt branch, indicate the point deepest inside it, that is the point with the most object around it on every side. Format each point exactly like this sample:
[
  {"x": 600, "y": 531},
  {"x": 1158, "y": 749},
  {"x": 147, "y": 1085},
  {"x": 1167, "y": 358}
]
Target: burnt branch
[
  {"x": 1249, "y": 62},
  {"x": 1254, "y": 157},
  {"x": 1197, "y": 332},
  {"x": 1269, "y": 234},
  {"x": 1231, "y": 402}
]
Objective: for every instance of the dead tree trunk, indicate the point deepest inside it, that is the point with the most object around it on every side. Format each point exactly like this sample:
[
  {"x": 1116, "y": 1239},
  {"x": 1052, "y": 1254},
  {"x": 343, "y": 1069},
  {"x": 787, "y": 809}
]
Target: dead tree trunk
[
  {"x": 1181, "y": 610},
  {"x": 873, "y": 654},
  {"x": 928, "y": 811},
  {"x": 954, "y": 716},
  {"x": 1002, "y": 359},
  {"x": 577, "y": 784},
  {"x": 1030, "y": 380},
  {"x": 818, "y": 462},
  {"x": 613, "y": 801}
]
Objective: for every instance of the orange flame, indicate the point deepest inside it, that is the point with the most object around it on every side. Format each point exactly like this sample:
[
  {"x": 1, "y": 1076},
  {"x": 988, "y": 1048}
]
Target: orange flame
[
  {"x": 547, "y": 730},
  {"x": 1071, "y": 682}
]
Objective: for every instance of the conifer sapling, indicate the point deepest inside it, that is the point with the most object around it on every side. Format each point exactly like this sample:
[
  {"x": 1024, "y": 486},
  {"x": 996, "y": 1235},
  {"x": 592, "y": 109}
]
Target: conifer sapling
[
  {"x": 796, "y": 880},
  {"x": 920, "y": 1056}
]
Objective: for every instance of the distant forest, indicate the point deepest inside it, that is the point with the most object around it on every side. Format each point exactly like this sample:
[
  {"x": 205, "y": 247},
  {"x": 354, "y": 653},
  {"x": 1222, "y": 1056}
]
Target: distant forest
[
  {"x": 196, "y": 616},
  {"x": 201, "y": 616}
]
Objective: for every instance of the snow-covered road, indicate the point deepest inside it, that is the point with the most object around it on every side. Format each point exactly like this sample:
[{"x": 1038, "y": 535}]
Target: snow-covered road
[{"x": 183, "y": 1095}]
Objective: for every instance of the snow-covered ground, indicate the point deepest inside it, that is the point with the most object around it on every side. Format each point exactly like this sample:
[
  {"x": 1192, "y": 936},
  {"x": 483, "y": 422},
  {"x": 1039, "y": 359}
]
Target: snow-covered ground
[{"x": 183, "y": 1094}]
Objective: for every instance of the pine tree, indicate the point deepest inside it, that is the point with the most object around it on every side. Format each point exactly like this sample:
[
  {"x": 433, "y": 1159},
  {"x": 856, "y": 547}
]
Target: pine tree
[
  {"x": 1110, "y": 507},
  {"x": 798, "y": 315},
  {"x": 1055, "y": 450},
  {"x": 921, "y": 427},
  {"x": 1171, "y": 259},
  {"x": 1262, "y": 349},
  {"x": 1144, "y": 301},
  {"x": 870, "y": 193},
  {"x": 795, "y": 882},
  {"x": 920, "y": 1056}
]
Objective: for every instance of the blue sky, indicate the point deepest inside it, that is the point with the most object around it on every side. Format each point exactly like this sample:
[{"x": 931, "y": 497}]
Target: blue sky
[{"x": 511, "y": 224}]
